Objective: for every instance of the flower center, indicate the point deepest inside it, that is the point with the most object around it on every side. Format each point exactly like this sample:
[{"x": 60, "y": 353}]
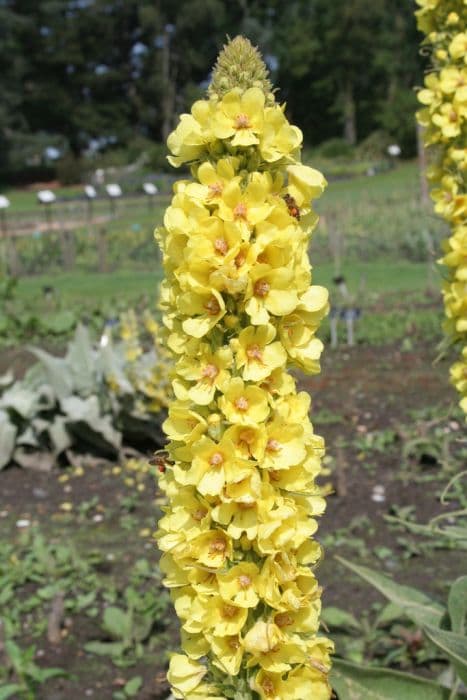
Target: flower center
[
  {"x": 216, "y": 459},
  {"x": 210, "y": 372},
  {"x": 229, "y": 611},
  {"x": 241, "y": 403},
  {"x": 453, "y": 116},
  {"x": 199, "y": 514},
  {"x": 217, "y": 546},
  {"x": 268, "y": 687},
  {"x": 242, "y": 121},
  {"x": 233, "y": 643},
  {"x": 247, "y": 437},
  {"x": 240, "y": 259},
  {"x": 262, "y": 288},
  {"x": 244, "y": 581},
  {"x": 273, "y": 445},
  {"x": 283, "y": 620},
  {"x": 212, "y": 306},
  {"x": 245, "y": 506},
  {"x": 221, "y": 246},
  {"x": 240, "y": 211},
  {"x": 215, "y": 189},
  {"x": 254, "y": 352}
]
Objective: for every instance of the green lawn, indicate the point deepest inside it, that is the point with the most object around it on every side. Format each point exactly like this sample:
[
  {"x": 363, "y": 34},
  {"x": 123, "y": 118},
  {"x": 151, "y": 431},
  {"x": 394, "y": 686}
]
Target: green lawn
[
  {"x": 401, "y": 181},
  {"x": 73, "y": 286},
  {"x": 379, "y": 278}
]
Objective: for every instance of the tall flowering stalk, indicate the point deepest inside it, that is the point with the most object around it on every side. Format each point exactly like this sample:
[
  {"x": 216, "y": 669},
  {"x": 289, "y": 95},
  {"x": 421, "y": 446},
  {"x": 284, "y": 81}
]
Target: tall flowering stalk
[
  {"x": 239, "y": 308},
  {"x": 445, "y": 120}
]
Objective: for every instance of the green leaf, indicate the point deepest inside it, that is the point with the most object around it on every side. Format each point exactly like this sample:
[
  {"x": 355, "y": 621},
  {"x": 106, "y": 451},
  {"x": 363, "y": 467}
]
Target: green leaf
[
  {"x": 39, "y": 461},
  {"x": 7, "y": 439},
  {"x": 59, "y": 435},
  {"x": 85, "y": 421},
  {"x": 416, "y": 605},
  {"x": 56, "y": 372},
  {"x": 8, "y": 691},
  {"x": 81, "y": 360},
  {"x": 59, "y": 322},
  {"x": 453, "y": 645},
  {"x": 336, "y": 617},
  {"x": 133, "y": 685},
  {"x": 21, "y": 400},
  {"x": 117, "y": 623},
  {"x": 113, "y": 649},
  {"x": 46, "y": 673},
  {"x": 457, "y": 605},
  {"x": 353, "y": 682}
]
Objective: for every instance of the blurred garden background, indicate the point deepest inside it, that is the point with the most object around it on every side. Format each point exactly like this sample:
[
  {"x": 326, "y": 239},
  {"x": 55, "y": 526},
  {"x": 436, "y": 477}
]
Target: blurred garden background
[{"x": 90, "y": 91}]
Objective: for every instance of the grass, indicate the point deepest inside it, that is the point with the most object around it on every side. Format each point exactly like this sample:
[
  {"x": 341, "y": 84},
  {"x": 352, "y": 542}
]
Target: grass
[
  {"x": 72, "y": 286},
  {"x": 379, "y": 277},
  {"x": 26, "y": 199},
  {"x": 400, "y": 181}
]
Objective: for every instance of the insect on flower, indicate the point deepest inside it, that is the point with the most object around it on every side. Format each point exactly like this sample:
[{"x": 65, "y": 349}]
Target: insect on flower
[
  {"x": 292, "y": 206},
  {"x": 160, "y": 460}
]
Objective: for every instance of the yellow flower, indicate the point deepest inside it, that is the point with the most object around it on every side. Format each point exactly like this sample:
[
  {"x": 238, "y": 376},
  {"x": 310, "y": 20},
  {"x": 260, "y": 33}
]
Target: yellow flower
[
  {"x": 202, "y": 310},
  {"x": 249, "y": 441},
  {"x": 212, "y": 180},
  {"x": 279, "y": 139},
  {"x": 228, "y": 653},
  {"x": 238, "y": 585},
  {"x": 191, "y": 135},
  {"x": 256, "y": 354},
  {"x": 209, "y": 370},
  {"x": 211, "y": 549},
  {"x": 240, "y": 115},
  {"x": 285, "y": 445},
  {"x": 453, "y": 81},
  {"x": 271, "y": 649},
  {"x": 244, "y": 404},
  {"x": 305, "y": 183},
  {"x": 297, "y": 330},
  {"x": 245, "y": 208},
  {"x": 223, "y": 618},
  {"x": 183, "y": 424},
  {"x": 184, "y": 674},
  {"x": 214, "y": 465},
  {"x": 449, "y": 118},
  {"x": 458, "y": 47},
  {"x": 270, "y": 293}
]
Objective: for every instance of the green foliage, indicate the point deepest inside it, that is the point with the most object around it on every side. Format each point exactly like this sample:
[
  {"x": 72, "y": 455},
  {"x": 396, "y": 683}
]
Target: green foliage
[
  {"x": 34, "y": 571},
  {"x": 29, "y": 674},
  {"x": 336, "y": 148},
  {"x": 353, "y": 682},
  {"x": 338, "y": 64},
  {"x": 432, "y": 619}
]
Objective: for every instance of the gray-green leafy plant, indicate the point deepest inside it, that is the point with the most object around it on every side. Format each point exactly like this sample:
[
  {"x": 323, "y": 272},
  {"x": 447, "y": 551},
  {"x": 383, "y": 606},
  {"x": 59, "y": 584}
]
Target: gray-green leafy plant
[{"x": 83, "y": 401}]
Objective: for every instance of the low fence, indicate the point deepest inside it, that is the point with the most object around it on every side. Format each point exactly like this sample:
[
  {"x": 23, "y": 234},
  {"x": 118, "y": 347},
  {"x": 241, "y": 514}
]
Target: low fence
[{"x": 77, "y": 231}]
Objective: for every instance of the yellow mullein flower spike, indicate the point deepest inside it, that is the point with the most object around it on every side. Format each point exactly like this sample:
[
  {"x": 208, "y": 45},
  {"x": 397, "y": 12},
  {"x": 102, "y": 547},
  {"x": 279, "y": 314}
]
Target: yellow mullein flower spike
[
  {"x": 444, "y": 118},
  {"x": 239, "y": 309}
]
